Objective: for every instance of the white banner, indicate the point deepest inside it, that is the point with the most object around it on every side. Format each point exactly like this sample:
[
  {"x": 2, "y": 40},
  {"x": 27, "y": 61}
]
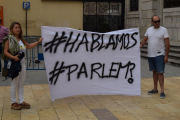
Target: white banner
[{"x": 88, "y": 63}]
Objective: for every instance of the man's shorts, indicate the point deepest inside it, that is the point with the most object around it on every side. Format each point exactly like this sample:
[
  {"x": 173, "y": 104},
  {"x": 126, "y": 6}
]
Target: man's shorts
[{"x": 156, "y": 64}]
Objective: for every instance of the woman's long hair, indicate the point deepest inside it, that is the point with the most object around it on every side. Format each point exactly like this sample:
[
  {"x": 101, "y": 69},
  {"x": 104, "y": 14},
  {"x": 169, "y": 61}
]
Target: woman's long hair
[{"x": 21, "y": 33}]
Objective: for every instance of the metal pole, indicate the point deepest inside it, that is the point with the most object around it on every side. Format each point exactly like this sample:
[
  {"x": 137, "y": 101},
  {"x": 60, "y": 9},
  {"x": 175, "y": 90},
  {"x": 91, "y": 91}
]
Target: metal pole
[
  {"x": 26, "y": 24},
  {"x": 26, "y": 40}
]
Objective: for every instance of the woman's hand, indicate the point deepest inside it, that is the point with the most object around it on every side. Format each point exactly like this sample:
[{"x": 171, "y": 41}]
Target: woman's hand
[
  {"x": 15, "y": 58},
  {"x": 40, "y": 40}
]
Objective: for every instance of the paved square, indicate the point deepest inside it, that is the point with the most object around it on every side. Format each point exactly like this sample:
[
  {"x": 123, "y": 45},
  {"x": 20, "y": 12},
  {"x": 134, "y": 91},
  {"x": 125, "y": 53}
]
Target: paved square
[{"x": 95, "y": 107}]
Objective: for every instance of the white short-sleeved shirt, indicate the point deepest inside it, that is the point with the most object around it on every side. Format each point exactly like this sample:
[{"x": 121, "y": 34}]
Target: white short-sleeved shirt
[
  {"x": 22, "y": 47},
  {"x": 156, "y": 43}
]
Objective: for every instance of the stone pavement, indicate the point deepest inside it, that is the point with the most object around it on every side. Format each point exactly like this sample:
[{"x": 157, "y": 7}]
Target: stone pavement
[{"x": 95, "y": 107}]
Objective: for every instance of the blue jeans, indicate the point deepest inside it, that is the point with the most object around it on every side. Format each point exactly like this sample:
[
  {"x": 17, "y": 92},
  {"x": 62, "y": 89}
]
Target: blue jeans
[
  {"x": 156, "y": 64},
  {"x": 0, "y": 55}
]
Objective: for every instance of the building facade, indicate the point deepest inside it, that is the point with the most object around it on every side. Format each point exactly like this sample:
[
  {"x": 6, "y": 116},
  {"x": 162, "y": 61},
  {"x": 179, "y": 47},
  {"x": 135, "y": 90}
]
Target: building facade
[
  {"x": 93, "y": 15},
  {"x": 168, "y": 10}
]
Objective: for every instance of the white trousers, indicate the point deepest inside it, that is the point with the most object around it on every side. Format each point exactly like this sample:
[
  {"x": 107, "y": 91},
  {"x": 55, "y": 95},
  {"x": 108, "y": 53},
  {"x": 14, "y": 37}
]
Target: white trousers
[{"x": 18, "y": 84}]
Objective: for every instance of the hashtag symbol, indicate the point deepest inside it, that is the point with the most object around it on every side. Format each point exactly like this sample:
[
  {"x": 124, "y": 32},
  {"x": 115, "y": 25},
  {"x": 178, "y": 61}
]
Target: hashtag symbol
[
  {"x": 55, "y": 42},
  {"x": 56, "y": 72}
]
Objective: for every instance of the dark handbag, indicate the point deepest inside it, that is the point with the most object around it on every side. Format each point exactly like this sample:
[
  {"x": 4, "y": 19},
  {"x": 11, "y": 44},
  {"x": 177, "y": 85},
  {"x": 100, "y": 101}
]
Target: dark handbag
[{"x": 5, "y": 70}]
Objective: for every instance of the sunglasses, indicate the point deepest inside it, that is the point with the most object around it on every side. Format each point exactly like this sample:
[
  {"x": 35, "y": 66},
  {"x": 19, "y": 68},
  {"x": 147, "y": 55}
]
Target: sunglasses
[{"x": 156, "y": 21}]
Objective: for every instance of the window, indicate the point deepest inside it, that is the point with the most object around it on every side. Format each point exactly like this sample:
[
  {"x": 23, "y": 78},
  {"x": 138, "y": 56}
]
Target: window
[
  {"x": 103, "y": 16},
  {"x": 134, "y": 5},
  {"x": 171, "y": 3}
]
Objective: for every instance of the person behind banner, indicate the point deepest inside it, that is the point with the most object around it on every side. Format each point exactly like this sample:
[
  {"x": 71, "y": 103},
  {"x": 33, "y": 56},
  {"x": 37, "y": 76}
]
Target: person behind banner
[
  {"x": 13, "y": 44},
  {"x": 158, "y": 50},
  {"x": 3, "y": 33}
]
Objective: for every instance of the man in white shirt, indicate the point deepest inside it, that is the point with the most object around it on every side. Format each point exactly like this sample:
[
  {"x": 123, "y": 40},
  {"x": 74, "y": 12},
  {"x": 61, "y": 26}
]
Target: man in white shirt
[{"x": 158, "y": 50}]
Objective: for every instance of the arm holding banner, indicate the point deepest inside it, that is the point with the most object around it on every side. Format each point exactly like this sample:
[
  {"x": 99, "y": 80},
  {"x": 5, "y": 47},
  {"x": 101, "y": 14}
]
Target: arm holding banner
[
  {"x": 144, "y": 41},
  {"x": 32, "y": 45}
]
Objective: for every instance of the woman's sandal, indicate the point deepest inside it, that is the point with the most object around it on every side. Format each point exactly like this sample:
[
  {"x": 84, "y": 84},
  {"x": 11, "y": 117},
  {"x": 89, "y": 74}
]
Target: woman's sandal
[
  {"x": 25, "y": 105},
  {"x": 16, "y": 106}
]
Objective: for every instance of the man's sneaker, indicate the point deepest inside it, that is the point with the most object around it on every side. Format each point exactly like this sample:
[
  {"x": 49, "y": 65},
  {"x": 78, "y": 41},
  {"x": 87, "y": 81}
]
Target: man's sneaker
[
  {"x": 162, "y": 95},
  {"x": 152, "y": 92}
]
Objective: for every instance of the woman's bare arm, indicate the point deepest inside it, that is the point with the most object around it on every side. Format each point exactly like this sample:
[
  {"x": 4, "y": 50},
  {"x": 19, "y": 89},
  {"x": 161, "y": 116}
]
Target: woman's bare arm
[{"x": 32, "y": 45}]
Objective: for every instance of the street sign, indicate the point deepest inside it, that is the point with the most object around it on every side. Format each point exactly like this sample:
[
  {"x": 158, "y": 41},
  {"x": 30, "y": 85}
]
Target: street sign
[{"x": 26, "y": 5}]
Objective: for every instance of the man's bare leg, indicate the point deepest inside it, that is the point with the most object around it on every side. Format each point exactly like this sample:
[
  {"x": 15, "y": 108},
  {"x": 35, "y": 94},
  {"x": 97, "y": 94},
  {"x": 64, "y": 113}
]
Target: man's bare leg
[
  {"x": 161, "y": 81},
  {"x": 155, "y": 78}
]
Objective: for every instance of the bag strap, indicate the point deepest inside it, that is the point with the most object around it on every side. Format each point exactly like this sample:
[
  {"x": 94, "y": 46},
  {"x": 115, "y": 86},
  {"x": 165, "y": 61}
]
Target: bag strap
[{"x": 5, "y": 63}]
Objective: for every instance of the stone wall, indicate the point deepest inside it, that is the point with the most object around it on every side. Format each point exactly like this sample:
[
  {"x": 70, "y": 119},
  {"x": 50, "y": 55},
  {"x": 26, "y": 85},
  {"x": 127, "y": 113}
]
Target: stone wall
[
  {"x": 132, "y": 19},
  {"x": 170, "y": 17},
  {"x": 171, "y": 20}
]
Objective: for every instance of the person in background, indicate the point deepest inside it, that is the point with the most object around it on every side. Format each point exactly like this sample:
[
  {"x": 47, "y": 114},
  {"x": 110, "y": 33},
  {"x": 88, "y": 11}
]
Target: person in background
[
  {"x": 3, "y": 33},
  {"x": 13, "y": 44},
  {"x": 158, "y": 50}
]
